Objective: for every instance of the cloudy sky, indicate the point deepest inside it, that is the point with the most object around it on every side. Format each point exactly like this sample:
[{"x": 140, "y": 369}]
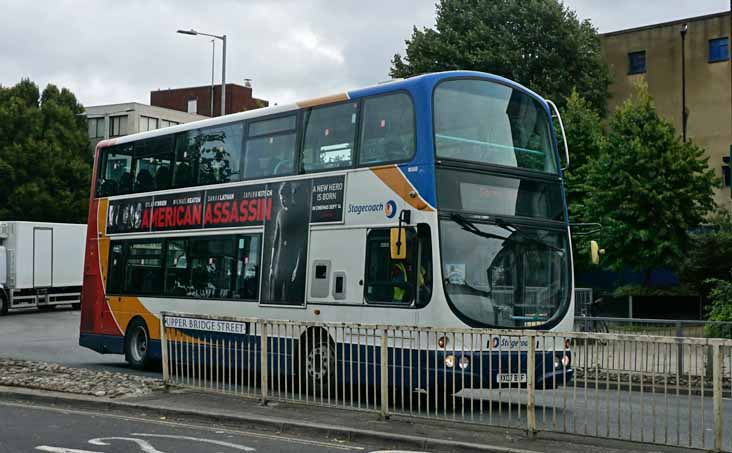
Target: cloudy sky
[{"x": 118, "y": 51}]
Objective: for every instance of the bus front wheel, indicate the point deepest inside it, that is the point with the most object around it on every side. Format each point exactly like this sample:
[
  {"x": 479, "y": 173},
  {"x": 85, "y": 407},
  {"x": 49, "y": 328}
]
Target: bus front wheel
[{"x": 137, "y": 344}]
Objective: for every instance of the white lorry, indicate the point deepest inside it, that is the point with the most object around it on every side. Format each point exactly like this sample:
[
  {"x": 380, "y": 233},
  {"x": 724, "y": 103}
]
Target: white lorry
[{"x": 41, "y": 265}]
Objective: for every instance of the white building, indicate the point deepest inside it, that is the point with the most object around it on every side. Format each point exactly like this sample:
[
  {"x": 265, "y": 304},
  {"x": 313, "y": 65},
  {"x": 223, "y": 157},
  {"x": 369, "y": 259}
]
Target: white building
[{"x": 116, "y": 120}]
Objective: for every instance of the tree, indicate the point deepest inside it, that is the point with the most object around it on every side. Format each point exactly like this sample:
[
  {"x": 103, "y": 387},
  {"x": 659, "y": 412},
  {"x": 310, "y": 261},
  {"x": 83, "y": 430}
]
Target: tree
[
  {"x": 649, "y": 189},
  {"x": 586, "y": 139},
  {"x": 708, "y": 256},
  {"x": 45, "y": 163},
  {"x": 538, "y": 43}
]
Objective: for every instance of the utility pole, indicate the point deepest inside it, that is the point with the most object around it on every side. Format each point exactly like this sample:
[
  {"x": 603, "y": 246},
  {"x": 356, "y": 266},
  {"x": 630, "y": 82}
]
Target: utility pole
[{"x": 684, "y": 115}]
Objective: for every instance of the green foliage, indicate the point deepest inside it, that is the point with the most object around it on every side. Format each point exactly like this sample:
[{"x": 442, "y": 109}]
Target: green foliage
[
  {"x": 708, "y": 256},
  {"x": 45, "y": 162},
  {"x": 586, "y": 139},
  {"x": 721, "y": 308},
  {"x": 538, "y": 43},
  {"x": 648, "y": 189}
]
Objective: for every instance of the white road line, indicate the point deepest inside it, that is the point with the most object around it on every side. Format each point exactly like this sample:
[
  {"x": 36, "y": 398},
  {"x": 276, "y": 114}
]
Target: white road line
[
  {"x": 63, "y": 450},
  {"x": 197, "y": 439},
  {"x": 186, "y": 425},
  {"x": 144, "y": 445}
]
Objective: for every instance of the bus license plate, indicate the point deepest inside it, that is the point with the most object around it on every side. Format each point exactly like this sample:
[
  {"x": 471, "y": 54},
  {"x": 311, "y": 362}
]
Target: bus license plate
[{"x": 511, "y": 378}]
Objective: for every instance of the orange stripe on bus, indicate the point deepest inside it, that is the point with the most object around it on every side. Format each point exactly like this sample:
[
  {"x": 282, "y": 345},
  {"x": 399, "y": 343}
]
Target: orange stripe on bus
[
  {"x": 393, "y": 177},
  {"x": 322, "y": 100},
  {"x": 103, "y": 240}
]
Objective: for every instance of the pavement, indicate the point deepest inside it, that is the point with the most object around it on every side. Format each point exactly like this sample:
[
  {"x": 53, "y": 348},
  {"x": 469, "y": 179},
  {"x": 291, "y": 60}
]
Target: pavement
[
  {"x": 321, "y": 424},
  {"x": 53, "y": 336}
]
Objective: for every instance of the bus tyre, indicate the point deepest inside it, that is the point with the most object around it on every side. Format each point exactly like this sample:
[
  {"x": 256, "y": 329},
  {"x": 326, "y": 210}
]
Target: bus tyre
[
  {"x": 318, "y": 364},
  {"x": 137, "y": 344},
  {"x": 3, "y": 305}
]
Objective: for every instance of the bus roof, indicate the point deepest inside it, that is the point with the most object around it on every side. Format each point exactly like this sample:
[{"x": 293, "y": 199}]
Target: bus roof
[{"x": 423, "y": 83}]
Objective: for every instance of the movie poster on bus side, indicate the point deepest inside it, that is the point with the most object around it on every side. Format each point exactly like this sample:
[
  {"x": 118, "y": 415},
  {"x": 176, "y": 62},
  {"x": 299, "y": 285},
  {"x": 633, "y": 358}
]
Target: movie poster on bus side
[
  {"x": 327, "y": 200},
  {"x": 286, "y": 243},
  {"x": 177, "y": 211},
  {"x": 238, "y": 206},
  {"x": 128, "y": 215}
]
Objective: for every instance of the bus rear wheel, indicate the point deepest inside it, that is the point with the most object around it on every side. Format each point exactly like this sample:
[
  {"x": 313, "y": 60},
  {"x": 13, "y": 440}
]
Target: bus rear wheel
[
  {"x": 137, "y": 345},
  {"x": 318, "y": 364}
]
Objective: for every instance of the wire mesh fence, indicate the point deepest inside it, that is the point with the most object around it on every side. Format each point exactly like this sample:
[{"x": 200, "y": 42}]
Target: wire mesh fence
[{"x": 663, "y": 390}]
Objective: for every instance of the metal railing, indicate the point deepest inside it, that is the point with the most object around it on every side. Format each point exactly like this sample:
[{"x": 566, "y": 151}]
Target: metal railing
[
  {"x": 657, "y": 327},
  {"x": 618, "y": 386}
]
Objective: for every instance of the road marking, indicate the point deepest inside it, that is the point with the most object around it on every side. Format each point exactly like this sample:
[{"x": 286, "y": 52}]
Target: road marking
[
  {"x": 314, "y": 443},
  {"x": 144, "y": 445},
  {"x": 197, "y": 439},
  {"x": 63, "y": 450}
]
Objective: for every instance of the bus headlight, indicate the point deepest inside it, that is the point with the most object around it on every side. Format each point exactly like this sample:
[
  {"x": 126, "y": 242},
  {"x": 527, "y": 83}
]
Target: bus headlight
[
  {"x": 464, "y": 362},
  {"x": 565, "y": 360},
  {"x": 450, "y": 361}
]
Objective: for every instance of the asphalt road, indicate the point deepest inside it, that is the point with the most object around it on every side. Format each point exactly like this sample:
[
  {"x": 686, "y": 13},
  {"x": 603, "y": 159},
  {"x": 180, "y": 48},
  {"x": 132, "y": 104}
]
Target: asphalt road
[
  {"x": 54, "y": 337},
  {"x": 28, "y": 428}
]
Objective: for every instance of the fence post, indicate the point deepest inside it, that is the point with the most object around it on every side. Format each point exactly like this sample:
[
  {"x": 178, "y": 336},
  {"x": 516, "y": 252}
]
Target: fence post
[
  {"x": 263, "y": 365},
  {"x": 680, "y": 349},
  {"x": 531, "y": 386},
  {"x": 717, "y": 395},
  {"x": 384, "y": 374},
  {"x": 164, "y": 351}
]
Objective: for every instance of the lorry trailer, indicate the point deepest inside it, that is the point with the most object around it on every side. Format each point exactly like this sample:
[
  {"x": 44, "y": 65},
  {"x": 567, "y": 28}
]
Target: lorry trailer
[{"x": 41, "y": 265}]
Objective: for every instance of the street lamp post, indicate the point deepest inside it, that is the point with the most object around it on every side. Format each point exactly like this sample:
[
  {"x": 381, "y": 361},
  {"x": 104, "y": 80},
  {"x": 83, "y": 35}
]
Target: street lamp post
[
  {"x": 213, "y": 61},
  {"x": 193, "y": 32},
  {"x": 684, "y": 115}
]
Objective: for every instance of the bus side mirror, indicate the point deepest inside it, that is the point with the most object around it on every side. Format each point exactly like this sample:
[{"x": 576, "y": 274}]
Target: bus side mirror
[
  {"x": 398, "y": 243},
  {"x": 595, "y": 252}
]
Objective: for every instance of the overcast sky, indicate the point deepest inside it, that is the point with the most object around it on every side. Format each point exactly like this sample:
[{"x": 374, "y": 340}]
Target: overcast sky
[{"x": 118, "y": 51}]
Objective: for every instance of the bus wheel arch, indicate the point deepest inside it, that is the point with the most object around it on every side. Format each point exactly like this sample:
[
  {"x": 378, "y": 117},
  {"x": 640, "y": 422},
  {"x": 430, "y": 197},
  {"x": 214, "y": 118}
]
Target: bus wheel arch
[
  {"x": 137, "y": 344},
  {"x": 317, "y": 361}
]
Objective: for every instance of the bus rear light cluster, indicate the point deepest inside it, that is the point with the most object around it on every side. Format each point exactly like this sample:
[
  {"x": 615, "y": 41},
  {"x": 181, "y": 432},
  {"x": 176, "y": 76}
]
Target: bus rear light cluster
[
  {"x": 442, "y": 342},
  {"x": 451, "y": 360}
]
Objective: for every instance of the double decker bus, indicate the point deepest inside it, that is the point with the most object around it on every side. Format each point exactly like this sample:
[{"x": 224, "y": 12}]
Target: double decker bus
[{"x": 432, "y": 201}]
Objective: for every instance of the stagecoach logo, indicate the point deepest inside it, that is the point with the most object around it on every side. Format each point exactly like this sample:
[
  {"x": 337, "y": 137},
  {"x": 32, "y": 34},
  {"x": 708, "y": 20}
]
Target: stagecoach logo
[
  {"x": 390, "y": 209},
  {"x": 508, "y": 343}
]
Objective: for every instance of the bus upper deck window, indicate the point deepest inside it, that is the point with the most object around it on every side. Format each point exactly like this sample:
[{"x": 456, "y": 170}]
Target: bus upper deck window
[
  {"x": 330, "y": 134},
  {"x": 387, "y": 129}
]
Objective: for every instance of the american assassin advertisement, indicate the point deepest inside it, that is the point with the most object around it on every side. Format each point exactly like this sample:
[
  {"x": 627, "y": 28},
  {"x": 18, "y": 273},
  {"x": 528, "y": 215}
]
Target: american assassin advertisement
[
  {"x": 127, "y": 216},
  {"x": 179, "y": 211},
  {"x": 238, "y": 206},
  {"x": 241, "y": 206}
]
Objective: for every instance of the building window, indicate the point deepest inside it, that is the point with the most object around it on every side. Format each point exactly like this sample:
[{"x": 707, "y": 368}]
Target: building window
[
  {"x": 193, "y": 106},
  {"x": 96, "y": 127},
  {"x": 166, "y": 123},
  {"x": 637, "y": 62},
  {"x": 117, "y": 126},
  {"x": 148, "y": 124},
  {"x": 718, "y": 50}
]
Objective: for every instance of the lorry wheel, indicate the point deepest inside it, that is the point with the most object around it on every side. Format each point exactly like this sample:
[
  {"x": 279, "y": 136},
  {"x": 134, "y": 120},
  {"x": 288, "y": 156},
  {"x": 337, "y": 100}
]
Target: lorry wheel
[
  {"x": 137, "y": 344},
  {"x": 3, "y": 305}
]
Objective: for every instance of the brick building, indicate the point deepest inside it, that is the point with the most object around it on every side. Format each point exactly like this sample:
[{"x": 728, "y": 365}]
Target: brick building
[{"x": 198, "y": 99}]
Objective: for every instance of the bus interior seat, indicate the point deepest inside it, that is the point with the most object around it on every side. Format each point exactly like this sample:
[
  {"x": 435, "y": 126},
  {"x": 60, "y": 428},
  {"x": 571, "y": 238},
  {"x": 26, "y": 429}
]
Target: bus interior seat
[
  {"x": 162, "y": 178},
  {"x": 125, "y": 183},
  {"x": 144, "y": 181}
]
